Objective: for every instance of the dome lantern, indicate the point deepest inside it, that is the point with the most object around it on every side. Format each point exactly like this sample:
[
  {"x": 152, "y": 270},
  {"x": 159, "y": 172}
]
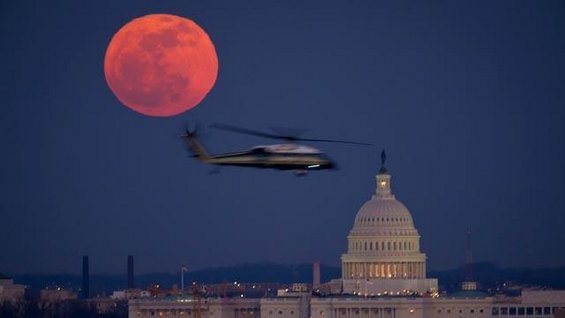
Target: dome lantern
[{"x": 383, "y": 181}]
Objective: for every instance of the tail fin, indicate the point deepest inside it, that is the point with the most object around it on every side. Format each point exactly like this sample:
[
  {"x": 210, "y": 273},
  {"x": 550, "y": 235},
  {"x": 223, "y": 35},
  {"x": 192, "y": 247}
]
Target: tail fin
[{"x": 198, "y": 151}]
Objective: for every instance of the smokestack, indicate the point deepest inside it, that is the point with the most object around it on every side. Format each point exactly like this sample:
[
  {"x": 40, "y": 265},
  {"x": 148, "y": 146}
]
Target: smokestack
[
  {"x": 468, "y": 283},
  {"x": 469, "y": 260},
  {"x": 316, "y": 275},
  {"x": 131, "y": 283},
  {"x": 85, "y": 278}
]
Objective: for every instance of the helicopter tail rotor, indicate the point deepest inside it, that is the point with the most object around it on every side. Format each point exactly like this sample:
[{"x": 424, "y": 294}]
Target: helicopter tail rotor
[{"x": 193, "y": 144}]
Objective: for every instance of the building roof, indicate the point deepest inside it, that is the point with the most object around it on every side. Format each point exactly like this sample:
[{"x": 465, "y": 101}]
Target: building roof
[
  {"x": 468, "y": 294},
  {"x": 383, "y": 214},
  {"x": 2, "y": 276}
]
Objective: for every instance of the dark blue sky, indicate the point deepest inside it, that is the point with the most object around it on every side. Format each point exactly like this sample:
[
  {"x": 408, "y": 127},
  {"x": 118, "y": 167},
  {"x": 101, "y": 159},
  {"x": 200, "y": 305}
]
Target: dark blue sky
[{"x": 466, "y": 96}]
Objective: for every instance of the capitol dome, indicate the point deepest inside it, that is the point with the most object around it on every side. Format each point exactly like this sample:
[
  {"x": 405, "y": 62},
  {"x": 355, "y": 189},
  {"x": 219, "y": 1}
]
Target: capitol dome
[
  {"x": 380, "y": 216},
  {"x": 383, "y": 243}
]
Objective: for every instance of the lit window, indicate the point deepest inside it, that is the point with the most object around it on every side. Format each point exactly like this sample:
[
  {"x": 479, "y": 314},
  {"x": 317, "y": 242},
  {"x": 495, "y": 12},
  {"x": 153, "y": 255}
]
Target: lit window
[{"x": 546, "y": 311}]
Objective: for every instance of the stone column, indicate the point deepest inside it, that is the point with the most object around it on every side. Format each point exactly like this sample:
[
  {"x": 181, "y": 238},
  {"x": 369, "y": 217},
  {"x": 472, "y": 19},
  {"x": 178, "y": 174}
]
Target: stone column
[
  {"x": 424, "y": 270},
  {"x": 422, "y": 273},
  {"x": 421, "y": 270}
]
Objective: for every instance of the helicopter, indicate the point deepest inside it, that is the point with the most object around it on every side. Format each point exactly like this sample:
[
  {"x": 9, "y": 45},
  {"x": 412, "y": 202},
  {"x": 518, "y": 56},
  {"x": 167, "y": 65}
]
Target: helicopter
[{"x": 288, "y": 156}]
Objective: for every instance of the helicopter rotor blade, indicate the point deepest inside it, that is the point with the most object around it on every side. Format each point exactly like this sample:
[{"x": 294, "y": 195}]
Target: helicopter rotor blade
[
  {"x": 334, "y": 141},
  {"x": 245, "y": 131},
  {"x": 283, "y": 137}
]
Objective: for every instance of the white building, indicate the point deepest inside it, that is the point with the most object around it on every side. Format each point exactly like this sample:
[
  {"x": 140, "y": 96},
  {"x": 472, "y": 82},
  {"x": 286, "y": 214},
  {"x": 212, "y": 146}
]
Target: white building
[
  {"x": 10, "y": 292},
  {"x": 383, "y": 255},
  {"x": 383, "y": 276},
  {"x": 54, "y": 295}
]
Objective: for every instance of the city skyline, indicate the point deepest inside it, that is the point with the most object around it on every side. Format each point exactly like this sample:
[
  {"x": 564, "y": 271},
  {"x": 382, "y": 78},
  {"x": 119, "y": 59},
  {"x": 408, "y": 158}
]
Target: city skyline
[{"x": 467, "y": 99}]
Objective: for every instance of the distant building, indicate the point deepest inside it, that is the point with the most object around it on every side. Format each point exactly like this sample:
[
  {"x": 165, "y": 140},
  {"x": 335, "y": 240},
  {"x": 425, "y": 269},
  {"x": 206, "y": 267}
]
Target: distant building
[
  {"x": 383, "y": 276},
  {"x": 53, "y": 295},
  {"x": 130, "y": 294},
  {"x": 10, "y": 292},
  {"x": 187, "y": 307}
]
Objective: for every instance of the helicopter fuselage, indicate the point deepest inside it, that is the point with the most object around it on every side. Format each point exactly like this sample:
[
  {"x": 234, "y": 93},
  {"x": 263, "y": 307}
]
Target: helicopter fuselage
[
  {"x": 264, "y": 157},
  {"x": 300, "y": 158}
]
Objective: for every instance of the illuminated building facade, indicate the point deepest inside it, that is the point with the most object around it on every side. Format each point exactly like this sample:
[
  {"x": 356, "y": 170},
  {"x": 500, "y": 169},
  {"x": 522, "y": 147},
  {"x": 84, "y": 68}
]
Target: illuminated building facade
[{"x": 383, "y": 254}]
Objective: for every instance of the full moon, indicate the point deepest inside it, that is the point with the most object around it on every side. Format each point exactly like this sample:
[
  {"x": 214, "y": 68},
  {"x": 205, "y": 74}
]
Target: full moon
[{"x": 161, "y": 65}]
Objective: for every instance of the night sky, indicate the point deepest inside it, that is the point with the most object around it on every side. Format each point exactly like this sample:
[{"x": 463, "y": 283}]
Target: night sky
[{"x": 467, "y": 97}]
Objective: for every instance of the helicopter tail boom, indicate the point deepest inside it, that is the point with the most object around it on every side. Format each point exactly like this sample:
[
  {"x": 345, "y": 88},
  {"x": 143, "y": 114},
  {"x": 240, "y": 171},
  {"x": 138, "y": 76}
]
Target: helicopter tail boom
[{"x": 195, "y": 146}]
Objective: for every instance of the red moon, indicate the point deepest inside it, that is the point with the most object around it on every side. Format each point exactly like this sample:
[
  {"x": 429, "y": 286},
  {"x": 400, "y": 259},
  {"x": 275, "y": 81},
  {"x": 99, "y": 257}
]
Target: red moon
[{"x": 161, "y": 65}]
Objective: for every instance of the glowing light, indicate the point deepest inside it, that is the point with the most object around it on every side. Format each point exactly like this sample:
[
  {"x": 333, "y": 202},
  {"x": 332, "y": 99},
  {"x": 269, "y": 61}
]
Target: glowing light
[{"x": 313, "y": 166}]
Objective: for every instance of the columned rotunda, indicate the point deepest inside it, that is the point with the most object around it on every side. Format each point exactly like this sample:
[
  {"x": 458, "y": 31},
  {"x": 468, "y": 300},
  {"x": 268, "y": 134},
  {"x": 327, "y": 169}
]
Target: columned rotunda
[{"x": 384, "y": 246}]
